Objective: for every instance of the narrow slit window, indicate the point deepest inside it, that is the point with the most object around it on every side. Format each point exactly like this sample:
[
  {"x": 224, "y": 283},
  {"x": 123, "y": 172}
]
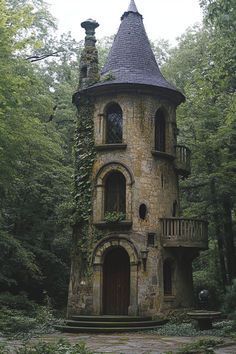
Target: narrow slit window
[
  {"x": 160, "y": 131},
  {"x": 143, "y": 211},
  {"x": 151, "y": 239}
]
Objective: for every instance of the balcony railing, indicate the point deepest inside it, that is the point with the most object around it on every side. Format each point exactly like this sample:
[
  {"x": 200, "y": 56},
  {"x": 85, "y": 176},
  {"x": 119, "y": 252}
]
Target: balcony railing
[
  {"x": 183, "y": 160},
  {"x": 182, "y": 232}
]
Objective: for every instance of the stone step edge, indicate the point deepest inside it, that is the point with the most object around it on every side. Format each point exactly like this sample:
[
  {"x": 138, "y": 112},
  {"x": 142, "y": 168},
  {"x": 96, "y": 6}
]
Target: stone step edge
[
  {"x": 68, "y": 329},
  {"x": 114, "y": 324},
  {"x": 111, "y": 318}
]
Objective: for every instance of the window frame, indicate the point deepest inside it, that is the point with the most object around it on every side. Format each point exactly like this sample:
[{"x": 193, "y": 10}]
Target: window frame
[{"x": 109, "y": 140}]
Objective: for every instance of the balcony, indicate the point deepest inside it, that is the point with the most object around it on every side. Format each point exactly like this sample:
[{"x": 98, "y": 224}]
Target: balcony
[
  {"x": 183, "y": 232},
  {"x": 183, "y": 160}
]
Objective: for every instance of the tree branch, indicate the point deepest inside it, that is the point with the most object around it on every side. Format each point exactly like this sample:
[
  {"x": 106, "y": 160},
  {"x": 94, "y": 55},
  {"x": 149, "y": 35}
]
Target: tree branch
[{"x": 35, "y": 58}]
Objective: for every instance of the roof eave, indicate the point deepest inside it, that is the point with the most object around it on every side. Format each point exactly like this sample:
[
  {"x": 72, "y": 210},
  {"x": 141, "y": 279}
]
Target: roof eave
[{"x": 172, "y": 95}]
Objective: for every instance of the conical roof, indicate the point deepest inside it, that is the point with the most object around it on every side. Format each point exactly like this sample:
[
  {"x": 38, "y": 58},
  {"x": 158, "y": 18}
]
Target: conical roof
[
  {"x": 132, "y": 7},
  {"x": 131, "y": 59}
]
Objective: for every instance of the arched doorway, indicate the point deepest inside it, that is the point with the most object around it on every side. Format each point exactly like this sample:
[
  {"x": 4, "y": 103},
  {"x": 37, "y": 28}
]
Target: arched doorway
[{"x": 116, "y": 282}]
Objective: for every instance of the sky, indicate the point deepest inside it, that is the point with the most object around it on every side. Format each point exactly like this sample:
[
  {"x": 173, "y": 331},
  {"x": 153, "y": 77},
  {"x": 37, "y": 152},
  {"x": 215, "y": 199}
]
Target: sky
[{"x": 163, "y": 19}]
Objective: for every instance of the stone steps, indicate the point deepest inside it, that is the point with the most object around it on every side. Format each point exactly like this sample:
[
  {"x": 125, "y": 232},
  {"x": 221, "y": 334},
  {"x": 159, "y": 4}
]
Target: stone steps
[
  {"x": 109, "y": 324},
  {"x": 111, "y": 318}
]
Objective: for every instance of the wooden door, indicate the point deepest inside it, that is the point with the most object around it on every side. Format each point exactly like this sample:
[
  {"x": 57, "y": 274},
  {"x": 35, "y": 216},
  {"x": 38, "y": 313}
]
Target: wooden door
[{"x": 116, "y": 282}]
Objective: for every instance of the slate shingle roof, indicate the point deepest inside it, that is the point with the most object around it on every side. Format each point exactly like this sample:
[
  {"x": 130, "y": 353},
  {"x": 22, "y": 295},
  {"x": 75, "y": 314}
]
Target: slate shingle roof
[
  {"x": 131, "y": 59},
  {"x": 132, "y": 6}
]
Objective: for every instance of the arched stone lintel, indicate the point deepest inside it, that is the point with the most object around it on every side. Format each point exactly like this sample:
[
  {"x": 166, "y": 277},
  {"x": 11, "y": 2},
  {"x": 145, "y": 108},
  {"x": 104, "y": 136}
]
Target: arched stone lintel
[
  {"x": 114, "y": 166},
  {"x": 115, "y": 241},
  {"x": 107, "y": 105}
]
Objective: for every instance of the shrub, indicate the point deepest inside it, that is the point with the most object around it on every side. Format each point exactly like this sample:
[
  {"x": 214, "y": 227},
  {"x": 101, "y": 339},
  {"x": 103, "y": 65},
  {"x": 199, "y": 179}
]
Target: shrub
[
  {"x": 229, "y": 301},
  {"x": 203, "y": 280},
  {"x": 61, "y": 347},
  {"x": 17, "y": 302},
  {"x": 15, "y": 323}
]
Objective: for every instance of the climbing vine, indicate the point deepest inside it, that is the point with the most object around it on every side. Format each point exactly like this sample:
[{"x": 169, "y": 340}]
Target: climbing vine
[
  {"x": 84, "y": 158},
  {"x": 84, "y": 233}
]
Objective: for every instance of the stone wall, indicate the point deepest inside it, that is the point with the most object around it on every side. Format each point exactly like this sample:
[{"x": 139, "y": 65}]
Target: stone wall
[{"x": 151, "y": 180}]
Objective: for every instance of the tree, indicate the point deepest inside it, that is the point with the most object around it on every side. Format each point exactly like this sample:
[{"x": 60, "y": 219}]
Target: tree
[{"x": 201, "y": 66}]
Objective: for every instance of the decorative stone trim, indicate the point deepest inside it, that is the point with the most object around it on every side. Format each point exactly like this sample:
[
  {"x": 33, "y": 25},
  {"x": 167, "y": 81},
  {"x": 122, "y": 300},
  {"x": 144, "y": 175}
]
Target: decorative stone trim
[
  {"x": 116, "y": 225},
  {"x": 105, "y": 147},
  {"x": 101, "y": 175}
]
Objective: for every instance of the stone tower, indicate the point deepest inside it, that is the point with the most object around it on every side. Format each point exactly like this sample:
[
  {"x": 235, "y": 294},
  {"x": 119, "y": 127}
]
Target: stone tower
[{"x": 136, "y": 253}]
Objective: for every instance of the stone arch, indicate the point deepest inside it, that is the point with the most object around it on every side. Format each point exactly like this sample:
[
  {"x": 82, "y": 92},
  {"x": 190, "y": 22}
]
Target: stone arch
[
  {"x": 114, "y": 241},
  {"x": 99, "y": 253},
  {"x": 100, "y": 178},
  {"x": 109, "y": 104}
]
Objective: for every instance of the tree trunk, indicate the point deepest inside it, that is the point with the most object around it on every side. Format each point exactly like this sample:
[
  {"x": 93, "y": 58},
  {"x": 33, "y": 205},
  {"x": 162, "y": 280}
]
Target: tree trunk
[
  {"x": 218, "y": 231},
  {"x": 229, "y": 238}
]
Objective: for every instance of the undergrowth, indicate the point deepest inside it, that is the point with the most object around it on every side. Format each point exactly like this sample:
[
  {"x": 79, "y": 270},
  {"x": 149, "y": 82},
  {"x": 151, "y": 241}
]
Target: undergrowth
[
  {"x": 202, "y": 346},
  {"x": 220, "y": 329},
  {"x": 60, "y": 347}
]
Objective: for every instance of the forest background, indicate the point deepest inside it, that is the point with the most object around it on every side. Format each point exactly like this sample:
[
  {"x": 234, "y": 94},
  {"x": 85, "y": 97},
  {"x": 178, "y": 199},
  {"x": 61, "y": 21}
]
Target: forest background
[{"x": 38, "y": 75}]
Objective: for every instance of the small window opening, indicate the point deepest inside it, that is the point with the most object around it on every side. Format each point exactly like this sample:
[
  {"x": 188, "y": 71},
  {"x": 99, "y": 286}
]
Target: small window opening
[
  {"x": 151, "y": 240},
  {"x": 143, "y": 211},
  {"x": 167, "y": 277},
  {"x": 160, "y": 131},
  {"x": 162, "y": 181},
  {"x": 84, "y": 72}
]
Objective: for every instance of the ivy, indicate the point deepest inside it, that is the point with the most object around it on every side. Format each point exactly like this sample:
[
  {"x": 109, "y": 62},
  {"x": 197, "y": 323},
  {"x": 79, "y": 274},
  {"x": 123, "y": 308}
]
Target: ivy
[
  {"x": 86, "y": 235},
  {"x": 84, "y": 159}
]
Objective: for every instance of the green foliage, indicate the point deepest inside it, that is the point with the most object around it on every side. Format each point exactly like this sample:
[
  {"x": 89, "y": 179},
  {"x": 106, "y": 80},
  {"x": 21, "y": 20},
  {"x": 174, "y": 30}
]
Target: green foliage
[
  {"x": 84, "y": 158},
  {"x": 203, "y": 67},
  {"x": 35, "y": 155},
  {"x": 229, "y": 301},
  {"x": 114, "y": 216},
  {"x": 187, "y": 329},
  {"x": 61, "y": 347},
  {"x": 207, "y": 276},
  {"x": 17, "y": 302},
  {"x": 18, "y": 264},
  {"x": 22, "y": 324},
  {"x": 201, "y": 346}
]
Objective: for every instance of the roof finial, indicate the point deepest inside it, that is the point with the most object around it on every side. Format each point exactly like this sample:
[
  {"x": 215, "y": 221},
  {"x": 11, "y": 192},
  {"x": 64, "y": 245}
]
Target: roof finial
[{"x": 132, "y": 7}]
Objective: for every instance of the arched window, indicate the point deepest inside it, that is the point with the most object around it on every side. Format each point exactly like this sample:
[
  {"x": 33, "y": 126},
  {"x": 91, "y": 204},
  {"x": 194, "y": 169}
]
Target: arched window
[
  {"x": 160, "y": 131},
  {"x": 115, "y": 193},
  {"x": 167, "y": 277},
  {"x": 114, "y": 124}
]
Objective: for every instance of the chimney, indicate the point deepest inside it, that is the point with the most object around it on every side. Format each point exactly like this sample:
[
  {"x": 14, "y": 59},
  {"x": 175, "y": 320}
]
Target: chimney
[{"x": 89, "y": 57}]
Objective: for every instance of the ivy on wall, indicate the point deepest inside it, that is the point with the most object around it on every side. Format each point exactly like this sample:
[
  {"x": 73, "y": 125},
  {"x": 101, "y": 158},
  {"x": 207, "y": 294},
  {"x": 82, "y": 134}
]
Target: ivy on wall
[{"x": 85, "y": 235}]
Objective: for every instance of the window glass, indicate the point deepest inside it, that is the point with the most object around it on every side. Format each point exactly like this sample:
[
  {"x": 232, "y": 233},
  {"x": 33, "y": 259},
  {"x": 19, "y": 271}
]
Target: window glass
[
  {"x": 114, "y": 125},
  {"x": 115, "y": 193}
]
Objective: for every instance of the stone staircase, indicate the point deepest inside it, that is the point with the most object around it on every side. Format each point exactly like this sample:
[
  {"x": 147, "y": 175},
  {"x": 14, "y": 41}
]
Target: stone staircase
[{"x": 109, "y": 324}]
